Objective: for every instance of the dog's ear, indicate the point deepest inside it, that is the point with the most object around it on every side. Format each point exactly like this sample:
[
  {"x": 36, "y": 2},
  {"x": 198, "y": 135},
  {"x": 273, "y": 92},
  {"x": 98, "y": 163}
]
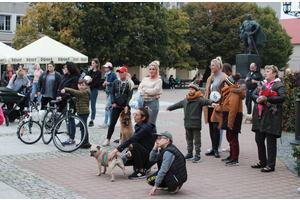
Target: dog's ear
[
  {"x": 98, "y": 147},
  {"x": 123, "y": 113}
]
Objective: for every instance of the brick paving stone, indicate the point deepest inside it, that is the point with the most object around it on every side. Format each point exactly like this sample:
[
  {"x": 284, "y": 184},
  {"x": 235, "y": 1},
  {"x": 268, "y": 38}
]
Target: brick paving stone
[{"x": 54, "y": 174}]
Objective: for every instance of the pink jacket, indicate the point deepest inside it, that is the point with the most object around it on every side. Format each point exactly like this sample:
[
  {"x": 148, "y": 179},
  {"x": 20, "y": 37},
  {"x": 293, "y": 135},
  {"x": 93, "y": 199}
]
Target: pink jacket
[{"x": 1, "y": 116}]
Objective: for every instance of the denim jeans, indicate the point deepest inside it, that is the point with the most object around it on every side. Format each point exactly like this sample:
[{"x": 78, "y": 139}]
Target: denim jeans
[
  {"x": 34, "y": 91},
  {"x": 93, "y": 99},
  {"x": 107, "y": 112}
]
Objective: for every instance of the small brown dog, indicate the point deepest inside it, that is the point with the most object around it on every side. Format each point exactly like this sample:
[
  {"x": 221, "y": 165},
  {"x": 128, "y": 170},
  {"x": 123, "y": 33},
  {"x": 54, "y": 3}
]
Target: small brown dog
[
  {"x": 101, "y": 156},
  {"x": 126, "y": 127}
]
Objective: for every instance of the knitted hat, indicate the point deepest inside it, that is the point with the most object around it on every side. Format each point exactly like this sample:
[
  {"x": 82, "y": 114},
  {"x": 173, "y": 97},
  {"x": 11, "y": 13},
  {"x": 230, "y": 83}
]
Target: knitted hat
[
  {"x": 195, "y": 84},
  {"x": 233, "y": 79}
]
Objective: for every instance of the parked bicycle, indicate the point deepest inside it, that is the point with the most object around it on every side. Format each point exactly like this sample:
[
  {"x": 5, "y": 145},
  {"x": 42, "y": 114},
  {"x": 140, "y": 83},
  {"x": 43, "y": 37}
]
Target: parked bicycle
[
  {"x": 62, "y": 127},
  {"x": 29, "y": 130}
]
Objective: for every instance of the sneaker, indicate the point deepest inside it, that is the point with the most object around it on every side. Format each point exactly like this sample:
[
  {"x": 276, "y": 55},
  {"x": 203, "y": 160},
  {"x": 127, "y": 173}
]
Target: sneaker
[
  {"x": 228, "y": 159},
  {"x": 147, "y": 171},
  {"x": 163, "y": 188},
  {"x": 175, "y": 190},
  {"x": 227, "y": 149},
  {"x": 106, "y": 143},
  {"x": 69, "y": 142},
  {"x": 232, "y": 163},
  {"x": 91, "y": 124},
  {"x": 189, "y": 156},
  {"x": 197, "y": 158},
  {"x": 103, "y": 125},
  {"x": 137, "y": 175}
]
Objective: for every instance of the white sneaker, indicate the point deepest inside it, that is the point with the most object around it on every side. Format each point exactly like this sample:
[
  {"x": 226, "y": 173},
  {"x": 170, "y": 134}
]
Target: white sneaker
[
  {"x": 103, "y": 125},
  {"x": 227, "y": 149},
  {"x": 106, "y": 143}
]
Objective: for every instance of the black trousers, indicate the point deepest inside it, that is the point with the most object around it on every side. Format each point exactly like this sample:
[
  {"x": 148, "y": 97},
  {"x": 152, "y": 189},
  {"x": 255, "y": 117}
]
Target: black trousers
[
  {"x": 248, "y": 101},
  {"x": 271, "y": 147},
  {"x": 214, "y": 131},
  {"x": 140, "y": 157},
  {"x": 45, "y": 101},
  {"x": 151, "y": 180},
  {"x": 113, "y": 120}
]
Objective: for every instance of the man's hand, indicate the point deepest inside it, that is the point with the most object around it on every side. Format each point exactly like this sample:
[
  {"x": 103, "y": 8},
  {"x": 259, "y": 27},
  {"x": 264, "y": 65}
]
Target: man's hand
[
  {"x": 39, "y": 93},
  {"x": 58, "y": 98},
  {"x": 214, "y": 105}
]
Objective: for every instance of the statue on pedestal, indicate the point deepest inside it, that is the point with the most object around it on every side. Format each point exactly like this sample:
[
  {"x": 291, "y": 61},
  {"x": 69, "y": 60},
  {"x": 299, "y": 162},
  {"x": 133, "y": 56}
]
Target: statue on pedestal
[{"x": 251, "y": 34}]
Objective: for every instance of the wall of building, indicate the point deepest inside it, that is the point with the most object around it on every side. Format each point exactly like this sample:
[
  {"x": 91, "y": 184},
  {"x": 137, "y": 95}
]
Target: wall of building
[
  {"x": 12, "y": 9},
  {"x": 294, "y": 63}
]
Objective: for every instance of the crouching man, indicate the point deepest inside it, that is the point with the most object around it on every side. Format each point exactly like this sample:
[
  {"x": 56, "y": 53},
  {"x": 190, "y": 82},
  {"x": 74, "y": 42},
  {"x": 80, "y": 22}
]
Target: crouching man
[{"x": 172, "y": 172}]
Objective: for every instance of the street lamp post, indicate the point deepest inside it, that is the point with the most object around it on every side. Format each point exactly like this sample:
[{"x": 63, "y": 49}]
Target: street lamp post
[
  {"x": 287, "y": 7},
  {"x": 296, "y": 141}
]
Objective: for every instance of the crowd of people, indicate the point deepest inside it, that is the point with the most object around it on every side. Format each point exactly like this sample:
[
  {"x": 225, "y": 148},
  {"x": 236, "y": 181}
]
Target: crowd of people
[{"x": 221, "y": 104}]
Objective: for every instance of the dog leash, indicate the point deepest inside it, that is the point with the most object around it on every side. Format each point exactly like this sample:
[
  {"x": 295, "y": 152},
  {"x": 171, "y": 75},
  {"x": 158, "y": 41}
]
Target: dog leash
[{"x": 109, "y": 107}]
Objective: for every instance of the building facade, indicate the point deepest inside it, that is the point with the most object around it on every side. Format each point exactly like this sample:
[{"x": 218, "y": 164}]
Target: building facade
[{"x": 10, "y": 16}]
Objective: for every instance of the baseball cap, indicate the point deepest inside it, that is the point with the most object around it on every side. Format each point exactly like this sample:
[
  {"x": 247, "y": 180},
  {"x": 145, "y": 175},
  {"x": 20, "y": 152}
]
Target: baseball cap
[
  {"x": 166, "y": 133},
  {"x": 122, "y": 69},
  {"x": 108, "y": 64}
]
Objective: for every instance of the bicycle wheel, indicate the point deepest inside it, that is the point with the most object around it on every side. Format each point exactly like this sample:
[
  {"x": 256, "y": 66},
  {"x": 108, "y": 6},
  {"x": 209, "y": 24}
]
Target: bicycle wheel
[
  {"x": 62, "y": 133},
  {"x": 47, "y": 127},
  {"x": 30, "y": 132}
]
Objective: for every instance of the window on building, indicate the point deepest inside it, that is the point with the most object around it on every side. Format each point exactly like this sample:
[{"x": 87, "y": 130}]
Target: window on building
[
  {"x": 4, "y": 23},
  {"x": 18, "y": 19}
]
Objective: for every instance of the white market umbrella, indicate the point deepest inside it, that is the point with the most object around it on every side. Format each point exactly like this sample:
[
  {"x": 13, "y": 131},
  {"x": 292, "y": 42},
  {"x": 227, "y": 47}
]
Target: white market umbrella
[
  {"x": 5, "y": 52},
  {"x": 45, "y": 50}
]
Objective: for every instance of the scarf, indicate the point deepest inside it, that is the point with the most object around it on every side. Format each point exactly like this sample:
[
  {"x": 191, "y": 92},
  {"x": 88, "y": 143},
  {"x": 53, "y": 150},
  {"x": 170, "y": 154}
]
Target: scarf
[
  {"x": 226, "y": 90},
  {"x": 196, "y": 95},
  {"x": 106, "y": 74}
]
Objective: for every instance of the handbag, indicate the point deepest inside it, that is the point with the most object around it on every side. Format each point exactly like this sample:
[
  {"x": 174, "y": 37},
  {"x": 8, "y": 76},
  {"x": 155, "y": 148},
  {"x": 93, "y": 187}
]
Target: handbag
[
  {"x": 119, "y": 100},
  {"x": 237, "y": 122}
]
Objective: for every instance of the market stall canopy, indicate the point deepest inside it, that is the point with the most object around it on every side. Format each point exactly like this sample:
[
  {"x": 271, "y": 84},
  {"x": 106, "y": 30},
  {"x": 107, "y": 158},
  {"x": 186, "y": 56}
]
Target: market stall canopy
[
  {"x": 45, "y": 50},
  {"x": 5, "y": 52}
]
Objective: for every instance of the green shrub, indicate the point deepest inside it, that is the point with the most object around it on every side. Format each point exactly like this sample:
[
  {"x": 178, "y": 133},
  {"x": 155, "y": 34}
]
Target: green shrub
[
  {"x": 291, "y": 82},
  {"x": 296, "y": 154}
]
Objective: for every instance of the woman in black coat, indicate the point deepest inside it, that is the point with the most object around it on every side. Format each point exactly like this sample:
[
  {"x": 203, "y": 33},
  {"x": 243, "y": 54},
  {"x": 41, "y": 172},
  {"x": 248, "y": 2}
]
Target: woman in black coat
[
  {"x": 7, "y": 75},
  {"x": 120, "y": 94},
  {"x": 69, "y": 80},
  {"x": 267, "y": 119},
  {"x": 140, "y": 144}
]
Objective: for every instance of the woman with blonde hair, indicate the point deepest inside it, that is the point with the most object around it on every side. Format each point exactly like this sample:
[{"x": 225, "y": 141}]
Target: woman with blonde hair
[
  {"x": 94, "y": 83},
  {"x": 18, "y": 81},
  {"x": 121, "y": 93},
  {"x": 36, "y": 75},
  {"x": 213, "y": 116},
  {"x": 151, "y": 89}
]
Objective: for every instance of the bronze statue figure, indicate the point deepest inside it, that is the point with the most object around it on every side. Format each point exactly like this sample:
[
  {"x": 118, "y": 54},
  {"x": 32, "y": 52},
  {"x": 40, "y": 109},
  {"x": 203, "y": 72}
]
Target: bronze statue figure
[{"x": 251, "y": 34}]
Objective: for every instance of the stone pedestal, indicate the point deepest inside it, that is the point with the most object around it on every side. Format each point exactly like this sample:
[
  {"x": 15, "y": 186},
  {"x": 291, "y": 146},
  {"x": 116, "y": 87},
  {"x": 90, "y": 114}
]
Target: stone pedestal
[{"x": 243, "y": 62}]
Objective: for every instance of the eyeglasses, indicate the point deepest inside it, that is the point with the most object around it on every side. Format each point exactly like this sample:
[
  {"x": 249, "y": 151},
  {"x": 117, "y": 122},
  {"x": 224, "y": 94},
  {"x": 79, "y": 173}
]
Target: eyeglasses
[{"x": 161, "y": 138}]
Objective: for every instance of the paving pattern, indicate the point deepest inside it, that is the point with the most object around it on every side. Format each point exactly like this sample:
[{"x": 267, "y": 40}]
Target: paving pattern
[{"x": 42, "y": 172}]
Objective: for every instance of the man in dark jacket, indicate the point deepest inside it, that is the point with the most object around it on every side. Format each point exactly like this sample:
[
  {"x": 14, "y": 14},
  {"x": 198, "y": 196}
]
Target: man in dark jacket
[
  {"x": 172, "y": 172},
  {"x": 251, "y": 80}
]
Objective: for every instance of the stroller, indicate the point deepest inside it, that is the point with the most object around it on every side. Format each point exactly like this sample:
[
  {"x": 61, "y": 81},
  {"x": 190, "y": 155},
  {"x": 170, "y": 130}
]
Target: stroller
[{"x": 10, "y": 97}]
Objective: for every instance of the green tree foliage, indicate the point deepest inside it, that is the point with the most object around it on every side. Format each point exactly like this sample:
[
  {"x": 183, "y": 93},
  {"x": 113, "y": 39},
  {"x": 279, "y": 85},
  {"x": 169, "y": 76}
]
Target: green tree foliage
[
  {"x": 59, "y": 21},
  {"x": 278, "y": 47},
  {"x": 128, "y": 33},
  {"x": 214, "y": 32}
]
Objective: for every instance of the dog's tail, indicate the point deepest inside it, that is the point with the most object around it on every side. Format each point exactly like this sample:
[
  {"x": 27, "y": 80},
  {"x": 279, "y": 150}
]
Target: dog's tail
[{"x": 116, "y": 159}]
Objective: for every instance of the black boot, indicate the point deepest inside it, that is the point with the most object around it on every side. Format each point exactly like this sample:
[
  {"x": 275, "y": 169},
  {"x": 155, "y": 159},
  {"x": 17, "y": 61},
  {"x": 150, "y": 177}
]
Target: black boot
[
  {"x": 210, "y": 153},
  {"x": 217, "y": 155}
]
